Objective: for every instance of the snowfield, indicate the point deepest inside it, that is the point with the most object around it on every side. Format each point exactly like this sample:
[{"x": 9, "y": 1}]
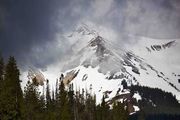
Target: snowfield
[
  {"x": 101, "y": 66},
  {"x": 142, "y": 66}
]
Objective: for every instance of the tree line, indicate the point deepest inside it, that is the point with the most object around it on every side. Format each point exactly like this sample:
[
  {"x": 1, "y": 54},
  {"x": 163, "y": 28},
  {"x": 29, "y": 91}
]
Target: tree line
[
  {"x": 64, "y": 103},
  {"x": 156, "y": 101},
  {"x": 156, "y": 104},
  {"x": 58, "y": 104}
]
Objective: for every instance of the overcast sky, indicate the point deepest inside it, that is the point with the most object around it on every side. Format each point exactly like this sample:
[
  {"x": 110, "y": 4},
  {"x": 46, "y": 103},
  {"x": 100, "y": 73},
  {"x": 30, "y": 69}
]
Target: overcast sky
[{"x": 31, "y": 29}]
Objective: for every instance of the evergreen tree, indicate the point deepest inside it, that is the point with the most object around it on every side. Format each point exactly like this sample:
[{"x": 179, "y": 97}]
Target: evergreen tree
[
  {"x": 118, "y": 112},
  {"x": 71, "y": 101},
  {"x": 77, "y": 106},
  {"x": 1, "y": 73},
  {"x": 48, "y": 96},
  {"x": 98, "y": 113},
  {"x": 141, "y": 115},
  {"x": 42, "y": 102},
  {"x": 53, "y": 107},
  {"x": 53, "y": 96},
  {"x": 11, "y": 97},
  {"x": 50, "y": 103},
  {"x": 104, "y": 109},
  {"x": 1, "y": 69},
  {"x": 90, "y": 107},
  {"x": 124, "y": 84},
  {"x": 56, "y": 91},
  {"x": 32, "y": 100},
  {"x": 64, "y": 113},
  {"x": 1, "y": 84}
]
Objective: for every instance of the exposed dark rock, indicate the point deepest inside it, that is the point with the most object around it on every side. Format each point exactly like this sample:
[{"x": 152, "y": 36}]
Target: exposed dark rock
[
  {"x": 149, "y": 50},
  {"x": 85, "y": 76},
  {"x": 160, "y": 47},
  {"x": 162, "y": 73},
  {"x": 135, "y": 70}
]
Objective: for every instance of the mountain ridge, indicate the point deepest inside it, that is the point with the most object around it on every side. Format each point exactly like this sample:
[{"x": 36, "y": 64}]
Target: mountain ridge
[{"x": 114, "y": 66}]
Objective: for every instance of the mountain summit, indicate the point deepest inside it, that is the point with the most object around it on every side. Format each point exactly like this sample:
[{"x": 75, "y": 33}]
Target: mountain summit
[{"x": 102, "y": 67}]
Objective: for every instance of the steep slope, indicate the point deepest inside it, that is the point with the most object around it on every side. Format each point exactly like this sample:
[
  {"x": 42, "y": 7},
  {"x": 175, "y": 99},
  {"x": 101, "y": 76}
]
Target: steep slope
[
  {"x": 166, "y": 60},
  {"x": 100, "y": 66},
  {"x": 80, "y": 36},
  {"x": 35, "y": 73}
]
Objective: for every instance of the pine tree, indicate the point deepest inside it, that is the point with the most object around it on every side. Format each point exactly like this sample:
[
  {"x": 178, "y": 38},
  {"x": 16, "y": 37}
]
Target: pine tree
[
  {"x": 71, "y": 101},
  {"x": 1, "y": 69},
  {"x": 42, "y": 102},
  {"x": 1, "y": 84},
  {"x": 48, "y": 96},
  {"x": 124, "y": 83},
  {"x": 56, "y": 92},
  {"x": 104, "y": 109},
  {"x": 90, "y": 107},
  {"x": 141, "y": 115},
  {"x": 77, "y": 106},
  {"x": 1, "y": 73},
  {"x": 50, "y": 103},
  {"x": 53, "y": 107},
  {"x": 32, "y": 100},
  {"x": 53, "y": 97},
  {"x": 98, "y": 113},
  {"x": 63, "y": 103},
  {"x": 118, "y": 112},
  {"x": 12, "y": 97}
]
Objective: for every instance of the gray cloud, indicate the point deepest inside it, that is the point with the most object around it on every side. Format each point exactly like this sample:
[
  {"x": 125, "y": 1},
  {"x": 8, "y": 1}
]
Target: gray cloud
[
  {"x": 159, "y": 19},
  {"x": 150, "y": 18},
  {"x": 32, "y": 30},
  {"x": 27, "y": 25}
]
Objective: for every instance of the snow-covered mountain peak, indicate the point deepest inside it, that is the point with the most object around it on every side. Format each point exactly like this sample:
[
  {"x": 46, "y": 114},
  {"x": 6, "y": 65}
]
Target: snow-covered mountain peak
[
  {"x": 94, "y": 54},
  {"x": 83, "y": 29},
  {"x": 97, "y": 41},
  {"x": 80, "y": 37},
  {"x": 100, "y": 46}
]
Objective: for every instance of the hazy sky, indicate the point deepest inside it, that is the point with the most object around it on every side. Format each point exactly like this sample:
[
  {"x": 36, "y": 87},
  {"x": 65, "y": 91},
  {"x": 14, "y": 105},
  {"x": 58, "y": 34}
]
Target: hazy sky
[{"x": 31, "y": 29}]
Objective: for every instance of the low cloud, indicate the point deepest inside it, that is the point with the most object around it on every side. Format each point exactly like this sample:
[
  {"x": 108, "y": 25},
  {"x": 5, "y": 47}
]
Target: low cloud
[{"x": 34, "y": 31}]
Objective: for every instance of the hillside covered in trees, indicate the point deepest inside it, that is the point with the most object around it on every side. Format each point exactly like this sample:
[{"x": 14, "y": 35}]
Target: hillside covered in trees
[
  {"x": 66, "y": 104},
  {"x": 61, "y": 104}
]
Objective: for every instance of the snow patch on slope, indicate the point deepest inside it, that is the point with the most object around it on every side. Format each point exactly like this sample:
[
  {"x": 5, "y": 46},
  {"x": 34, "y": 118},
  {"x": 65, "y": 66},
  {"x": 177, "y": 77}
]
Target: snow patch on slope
[
  {"x": 137, "y": 96},
  {"x": 96, "y": 83},
  {"x": 166, "y": 61}
]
